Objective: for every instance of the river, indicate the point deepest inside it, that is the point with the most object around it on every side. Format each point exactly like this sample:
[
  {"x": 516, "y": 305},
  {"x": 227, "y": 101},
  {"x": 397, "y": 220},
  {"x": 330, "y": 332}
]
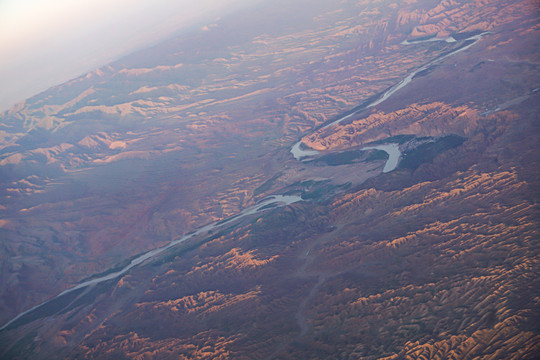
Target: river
[
  {"x": 279, "y": 200},
  {"x": 448, "y": 39},
  {"x": 393, "y": 155},
  {"x": 393, "y": 89},
  {"x": 299, "y": 153},
  {"x": 391, "y": 149}
]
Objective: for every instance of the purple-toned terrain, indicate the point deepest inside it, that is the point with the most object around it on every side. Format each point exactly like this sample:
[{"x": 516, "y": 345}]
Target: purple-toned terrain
[{"x": 299, "y": 180}]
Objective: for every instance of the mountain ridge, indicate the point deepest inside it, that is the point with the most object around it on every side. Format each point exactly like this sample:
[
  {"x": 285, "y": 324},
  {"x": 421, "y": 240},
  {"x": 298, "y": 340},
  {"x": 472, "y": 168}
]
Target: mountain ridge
[{"x": 105, "y": 168}]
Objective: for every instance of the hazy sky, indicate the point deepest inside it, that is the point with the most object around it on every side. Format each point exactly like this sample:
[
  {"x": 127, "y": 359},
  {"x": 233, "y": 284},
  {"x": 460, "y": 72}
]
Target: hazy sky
[{"x": 47, "y": 42}]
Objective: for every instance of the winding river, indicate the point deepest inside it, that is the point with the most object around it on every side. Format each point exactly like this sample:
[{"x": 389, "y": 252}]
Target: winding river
[
  {"x": 393, "y": 155},
  {"x": 393, "y": 89},
  {"x": 280, "y": 200},
  {"x": 391, "y": 149},
  {"x": 448, "y": 39},
  {"x": 300, "y": 153}
]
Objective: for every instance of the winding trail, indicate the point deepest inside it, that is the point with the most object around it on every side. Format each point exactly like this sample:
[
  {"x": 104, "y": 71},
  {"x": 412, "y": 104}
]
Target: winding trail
[
  {"x": 307, "y": 260},
  {"x": 392, "y": 162},
  {"x": 279, "y": 200}
]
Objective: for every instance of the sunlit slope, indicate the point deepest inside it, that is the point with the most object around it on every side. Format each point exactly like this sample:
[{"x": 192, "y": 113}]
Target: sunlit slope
[
  {"x": 436, "y": 259},
  {"x": 444, "y": 267}
]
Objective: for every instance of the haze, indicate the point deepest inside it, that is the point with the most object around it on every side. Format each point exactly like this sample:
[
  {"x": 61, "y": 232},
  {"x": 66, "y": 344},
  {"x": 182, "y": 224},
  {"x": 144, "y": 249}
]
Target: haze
[{"x": 46, "y": 42}]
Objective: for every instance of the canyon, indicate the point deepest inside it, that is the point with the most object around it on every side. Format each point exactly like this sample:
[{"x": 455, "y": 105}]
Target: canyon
[{"x": 318, "y": 180}]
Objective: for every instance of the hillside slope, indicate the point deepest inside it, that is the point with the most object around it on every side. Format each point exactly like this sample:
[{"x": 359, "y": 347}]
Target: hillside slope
[{"x": 436, "y": 259}]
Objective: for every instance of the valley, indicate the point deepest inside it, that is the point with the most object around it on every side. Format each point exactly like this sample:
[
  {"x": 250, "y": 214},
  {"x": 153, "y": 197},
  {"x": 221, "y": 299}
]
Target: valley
[{"x": 361, "y": 184}]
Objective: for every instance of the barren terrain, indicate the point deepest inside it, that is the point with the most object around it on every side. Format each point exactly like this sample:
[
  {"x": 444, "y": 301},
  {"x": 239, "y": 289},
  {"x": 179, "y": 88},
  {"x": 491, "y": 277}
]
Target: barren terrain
[{"x": 436, "y": 259}]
